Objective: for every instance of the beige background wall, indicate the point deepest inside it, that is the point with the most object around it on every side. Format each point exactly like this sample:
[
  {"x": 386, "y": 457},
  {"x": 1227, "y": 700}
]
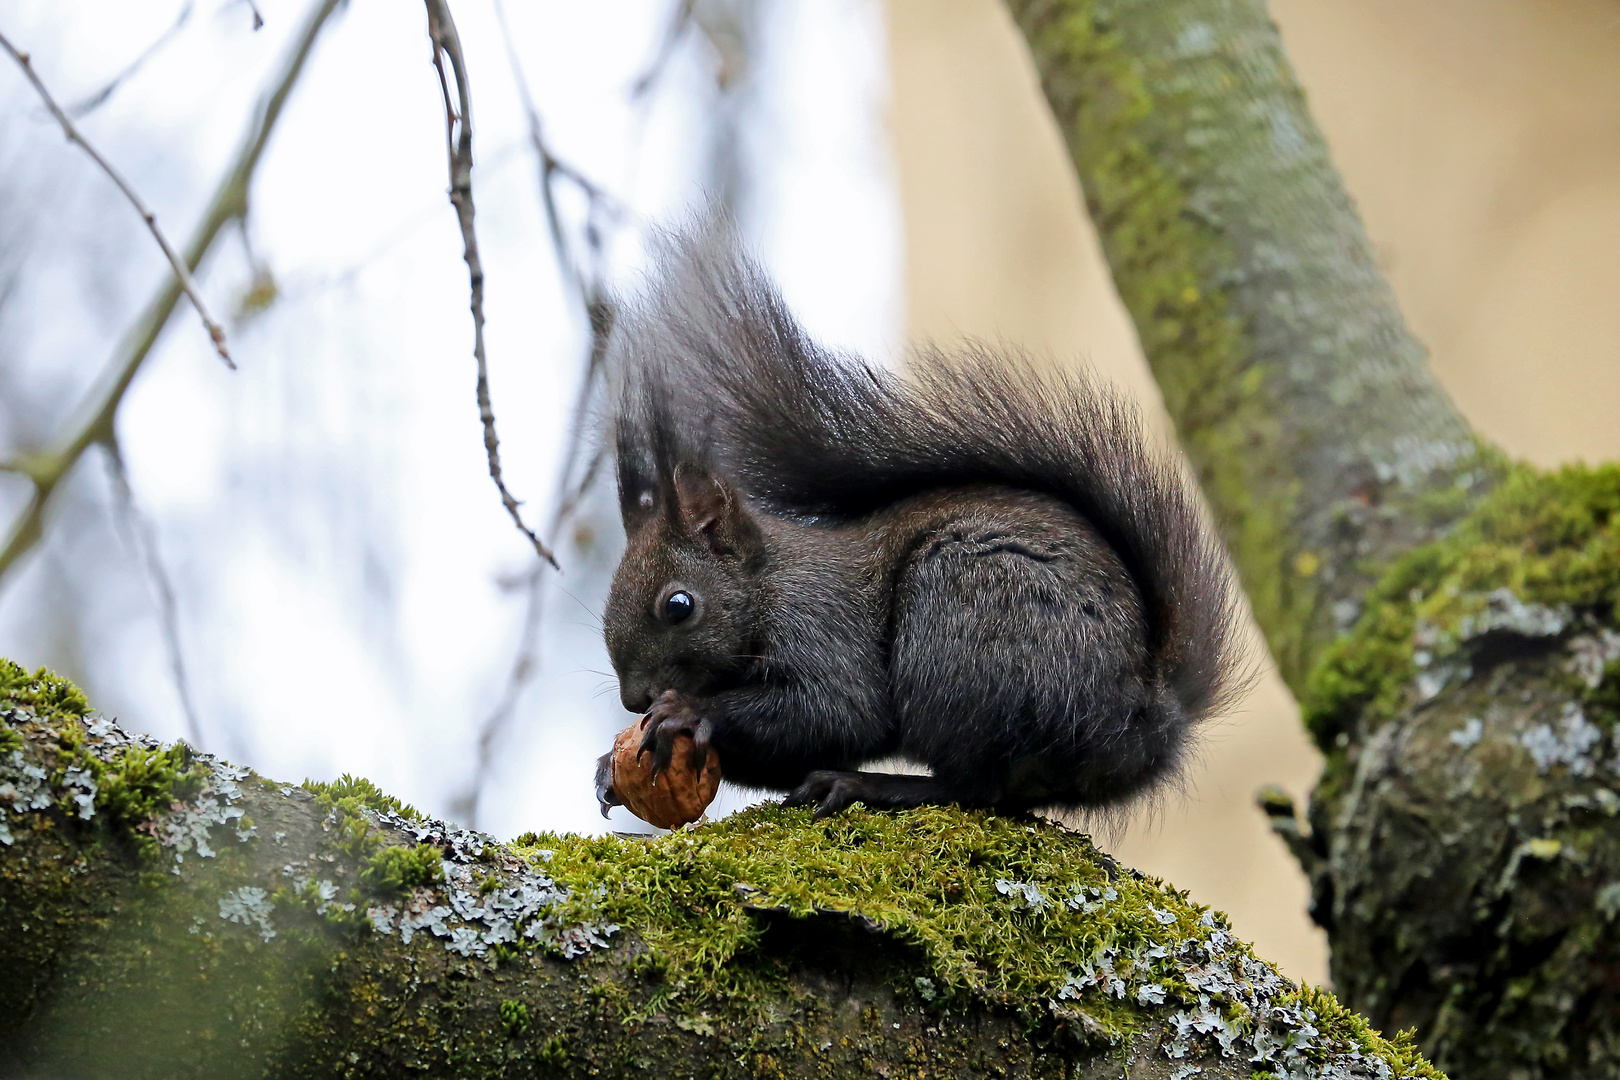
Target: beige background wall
[{"x": 1481, "y": 139}]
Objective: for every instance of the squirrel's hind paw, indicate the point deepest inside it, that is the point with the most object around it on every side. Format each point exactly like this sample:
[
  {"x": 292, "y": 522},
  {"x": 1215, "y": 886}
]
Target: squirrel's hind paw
[{"x": 830, "y": 792}]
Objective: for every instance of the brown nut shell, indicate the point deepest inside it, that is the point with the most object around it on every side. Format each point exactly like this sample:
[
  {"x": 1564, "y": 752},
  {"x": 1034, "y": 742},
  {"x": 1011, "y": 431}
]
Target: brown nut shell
[{"x": 679, "y": 795}]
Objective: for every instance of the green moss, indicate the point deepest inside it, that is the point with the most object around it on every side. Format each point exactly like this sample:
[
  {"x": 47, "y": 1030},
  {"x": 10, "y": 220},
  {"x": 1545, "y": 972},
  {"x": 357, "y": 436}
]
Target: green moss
[
  {"x": 135, "y": 786},
  {"x": 395, "y": 870},
  {"x": 554, "y": 1052},
  {"x": 1336, "y": 1022},
  {"x": 1549, "y": 538},
  {"x": 980, "y": 899},
  {"x": 349, "y": 792},
  {"x": 927, "y": 877},
  {"x": 140, "y": 784},
  {"x": 47, "y": 694},
  {"x": 514, "y": 1018},
  {"x": 354, "y": 837}
]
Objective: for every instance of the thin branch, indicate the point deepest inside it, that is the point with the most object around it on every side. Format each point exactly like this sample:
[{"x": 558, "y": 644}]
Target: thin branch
[
  {"x": 458, "y": 145},
  {"x": 553, "y": 167},
  {"x": 142, "y": 539},
  {"x": 590, "y": 288},
  {"x": 79, "y": 110},
  {"x": 525, "y": 663},
  {"x": 673, "y": 33},
  {"x": 593, "y": 295},
  {"x": 46, "y": 468},
  {"x": 569, "y": 503},
  {"x": 181, "y": 271}
]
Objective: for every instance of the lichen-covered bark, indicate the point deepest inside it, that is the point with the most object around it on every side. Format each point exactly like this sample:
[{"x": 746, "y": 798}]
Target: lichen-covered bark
[
  {"x": 1324, "y": 443},
  {"x": 1470, "y": 861},
  {"x": 166, "y": 914},
  {"x": 1448, "y": 623},
  {"x": 1464, "y": 845}
]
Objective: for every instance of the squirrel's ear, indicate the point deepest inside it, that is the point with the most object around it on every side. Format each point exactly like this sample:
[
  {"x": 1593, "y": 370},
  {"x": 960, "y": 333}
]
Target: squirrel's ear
[{"x": 706, "y": 507}]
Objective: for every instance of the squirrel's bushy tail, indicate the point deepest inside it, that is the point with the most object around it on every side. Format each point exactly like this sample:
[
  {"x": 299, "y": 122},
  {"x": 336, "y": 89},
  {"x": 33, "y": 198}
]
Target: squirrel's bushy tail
[{"x": 711, "y": 367}]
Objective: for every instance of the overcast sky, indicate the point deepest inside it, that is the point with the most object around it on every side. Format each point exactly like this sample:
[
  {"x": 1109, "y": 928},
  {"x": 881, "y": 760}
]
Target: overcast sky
[{"x": 336, "y": 549}]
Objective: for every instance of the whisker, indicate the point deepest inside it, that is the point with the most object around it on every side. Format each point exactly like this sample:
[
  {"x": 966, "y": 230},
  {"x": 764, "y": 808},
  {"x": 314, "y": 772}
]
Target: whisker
[{"x": 583, "y": 605}]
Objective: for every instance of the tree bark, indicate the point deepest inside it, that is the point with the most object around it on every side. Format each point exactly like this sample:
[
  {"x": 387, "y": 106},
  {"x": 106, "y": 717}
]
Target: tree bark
[
  {"x": 1450, "y": 636},
  {"x": 165, "y": 914}
]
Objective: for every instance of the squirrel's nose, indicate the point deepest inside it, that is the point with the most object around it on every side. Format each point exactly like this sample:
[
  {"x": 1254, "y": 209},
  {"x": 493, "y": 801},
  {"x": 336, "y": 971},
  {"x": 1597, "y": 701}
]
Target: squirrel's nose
[{"x": 635, "y": 698}]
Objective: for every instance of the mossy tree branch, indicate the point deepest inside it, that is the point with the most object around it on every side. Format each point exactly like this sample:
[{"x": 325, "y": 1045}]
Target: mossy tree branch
[
  {"x": 1448, "y": 623},
  {"x": 165, "y": 914}
]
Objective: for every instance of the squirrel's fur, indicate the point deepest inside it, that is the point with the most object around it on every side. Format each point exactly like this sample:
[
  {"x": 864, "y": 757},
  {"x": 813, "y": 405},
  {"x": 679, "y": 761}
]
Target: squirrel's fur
[{"x": 975, "y": 564}]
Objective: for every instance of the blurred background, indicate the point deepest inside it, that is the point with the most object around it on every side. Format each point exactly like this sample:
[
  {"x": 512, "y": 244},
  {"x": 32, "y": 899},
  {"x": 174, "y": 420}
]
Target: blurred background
[{"x": 311, "y": 572}]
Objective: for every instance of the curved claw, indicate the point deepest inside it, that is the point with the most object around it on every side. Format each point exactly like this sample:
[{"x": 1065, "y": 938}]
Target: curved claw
[
  {"x": 701, "y": 734},
  {"x": 606, "y": 797},
  {"x": 659, "y": 740},
  {"x": 672, "y": 715},
  {"x": 649, "y": 737},
  {"x": 828, "y": 791}
]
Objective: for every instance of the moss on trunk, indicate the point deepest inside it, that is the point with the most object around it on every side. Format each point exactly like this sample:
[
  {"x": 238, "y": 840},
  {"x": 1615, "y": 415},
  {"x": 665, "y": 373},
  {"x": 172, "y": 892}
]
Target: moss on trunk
[
  {"x": 163, "y": 913},
  {"x": 1321, "y": 438}
]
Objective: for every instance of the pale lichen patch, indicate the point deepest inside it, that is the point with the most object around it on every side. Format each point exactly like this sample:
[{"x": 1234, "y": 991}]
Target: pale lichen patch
[
  {"x": 24, "y": 788},
  {"x": 473, "y": 918},
  {"x": 1569, "y": 742},
  {"x": 249, "y": 906}
]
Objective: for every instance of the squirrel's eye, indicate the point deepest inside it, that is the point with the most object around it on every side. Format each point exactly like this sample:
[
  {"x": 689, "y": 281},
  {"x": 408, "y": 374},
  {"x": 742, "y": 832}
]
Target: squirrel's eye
[{"x": 678, "y": 607}]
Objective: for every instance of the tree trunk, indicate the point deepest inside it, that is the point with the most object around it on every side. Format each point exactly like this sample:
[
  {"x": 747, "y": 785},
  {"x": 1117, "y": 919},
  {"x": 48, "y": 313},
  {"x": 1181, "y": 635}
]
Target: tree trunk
[
  {"x": 165, "y": 914},
  {"x": 1449, "y": 635}
]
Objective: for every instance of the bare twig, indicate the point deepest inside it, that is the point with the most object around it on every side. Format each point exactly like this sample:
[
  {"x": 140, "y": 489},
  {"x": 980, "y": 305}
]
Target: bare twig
[
  {"x": 591, "y": 287},
  {"x": 525, "y": 663},
  {"x": 458, "y": 144},
  {"x": 181, "y": 271},
  {"x": 142, "y": 540},
  {"x": 80, "y": 109},
  {"x": 46, "y": 468},
  {"x": 673, "y": 32},
  {"x": 552, "y": 168},
  {"x": 588, "y": 282}
]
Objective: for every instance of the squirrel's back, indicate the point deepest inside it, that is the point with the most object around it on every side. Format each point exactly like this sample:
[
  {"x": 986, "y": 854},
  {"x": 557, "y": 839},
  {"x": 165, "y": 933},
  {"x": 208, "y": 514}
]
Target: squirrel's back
[{"x": 711, "y": 367}]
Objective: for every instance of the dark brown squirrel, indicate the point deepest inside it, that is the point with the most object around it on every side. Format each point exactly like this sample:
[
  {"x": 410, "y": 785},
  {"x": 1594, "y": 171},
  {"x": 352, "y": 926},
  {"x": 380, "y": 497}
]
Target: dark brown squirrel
[{"x": 975, "y": 566}]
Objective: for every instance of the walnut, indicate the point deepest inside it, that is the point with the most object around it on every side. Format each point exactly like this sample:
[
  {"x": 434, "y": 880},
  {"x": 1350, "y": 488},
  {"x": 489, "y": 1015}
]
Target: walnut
[{"x": 679, "y": 795}]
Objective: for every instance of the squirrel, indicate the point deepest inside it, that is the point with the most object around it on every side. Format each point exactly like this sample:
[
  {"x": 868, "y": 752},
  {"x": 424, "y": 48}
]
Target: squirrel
[{"x": 976, "y": 565}]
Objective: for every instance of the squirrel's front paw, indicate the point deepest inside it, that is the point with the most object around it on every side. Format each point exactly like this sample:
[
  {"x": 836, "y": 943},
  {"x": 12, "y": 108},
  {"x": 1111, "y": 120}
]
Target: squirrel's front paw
[{"x": 673, "y": 714}]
